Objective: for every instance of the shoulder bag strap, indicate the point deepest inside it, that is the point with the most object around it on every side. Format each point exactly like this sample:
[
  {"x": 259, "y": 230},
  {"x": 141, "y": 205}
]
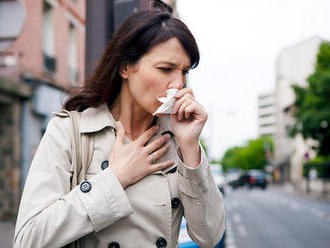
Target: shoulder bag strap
[
  {"x": 82, "y": 148},
  {"x": 82, "y": 153}
]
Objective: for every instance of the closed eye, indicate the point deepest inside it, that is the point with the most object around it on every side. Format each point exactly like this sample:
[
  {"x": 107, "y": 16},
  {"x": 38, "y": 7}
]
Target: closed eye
[
  {"x": 168, "y": 69},
  {"x": 165, "y": 69}
]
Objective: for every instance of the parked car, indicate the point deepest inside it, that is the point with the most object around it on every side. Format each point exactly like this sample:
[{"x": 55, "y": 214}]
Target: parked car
[
  {"x": 232, "y": 177},
  {"x": 186, "y": 242},
  {"x": 257, "y": 178},
  {"x": 250, "y": 178}
]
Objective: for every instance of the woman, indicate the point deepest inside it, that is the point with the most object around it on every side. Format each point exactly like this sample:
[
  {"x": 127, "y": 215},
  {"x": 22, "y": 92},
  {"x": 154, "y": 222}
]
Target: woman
[{"x": 146, "y": 171}]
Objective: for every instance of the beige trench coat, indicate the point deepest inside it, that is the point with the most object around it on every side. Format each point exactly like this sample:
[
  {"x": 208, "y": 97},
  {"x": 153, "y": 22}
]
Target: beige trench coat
[{"x": 146, "y": 214}]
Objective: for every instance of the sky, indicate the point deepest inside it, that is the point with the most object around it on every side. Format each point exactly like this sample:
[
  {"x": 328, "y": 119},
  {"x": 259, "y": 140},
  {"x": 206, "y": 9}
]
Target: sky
[{"x": 239, "y": 42}]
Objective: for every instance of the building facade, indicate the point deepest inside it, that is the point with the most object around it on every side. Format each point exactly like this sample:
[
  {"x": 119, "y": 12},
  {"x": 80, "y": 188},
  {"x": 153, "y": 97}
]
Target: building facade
[
  {"x": 37, "y": 70},
  {"x": 294, "y": 65},
  {"x": 266, "y": 114}
]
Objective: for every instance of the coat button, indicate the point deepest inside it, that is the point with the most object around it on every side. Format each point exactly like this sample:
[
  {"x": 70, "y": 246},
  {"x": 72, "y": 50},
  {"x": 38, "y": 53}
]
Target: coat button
[
  {"x": 105, "y": 164},
  {"x": 85, "y": 186},
  {"x": 175, "y": 202},
  {"x": 168, "y": 132},
  {"x": 113, "y": 245},
  {"x": 161, "y": 242}
]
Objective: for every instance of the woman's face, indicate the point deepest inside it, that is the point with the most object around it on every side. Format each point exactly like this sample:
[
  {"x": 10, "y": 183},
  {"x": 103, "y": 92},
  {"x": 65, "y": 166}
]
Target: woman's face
[{"x": 164, "y": 67}]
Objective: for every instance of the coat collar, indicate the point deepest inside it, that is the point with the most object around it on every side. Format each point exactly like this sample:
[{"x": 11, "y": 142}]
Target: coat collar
[{"x": 94, "y": 119}]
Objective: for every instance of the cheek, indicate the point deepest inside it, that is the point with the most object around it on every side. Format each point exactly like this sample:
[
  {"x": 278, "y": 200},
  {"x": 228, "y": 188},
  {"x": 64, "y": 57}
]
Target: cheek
[
  {"x": 154, "y": 85},
  {"x": 146, "y": 87}
]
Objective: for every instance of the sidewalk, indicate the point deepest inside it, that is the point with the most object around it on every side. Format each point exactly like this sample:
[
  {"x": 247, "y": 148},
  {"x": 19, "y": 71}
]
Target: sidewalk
[
  {"x": 6, "y": 234},
  {"x": 289, "y": 188}
]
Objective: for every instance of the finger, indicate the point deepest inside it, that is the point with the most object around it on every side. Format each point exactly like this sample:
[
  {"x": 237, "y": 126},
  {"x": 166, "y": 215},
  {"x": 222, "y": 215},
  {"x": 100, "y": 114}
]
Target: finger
[
  {"x": 146, "y": 136},
  {"x": 184, "y": 91},
  {"x": 161, "y": 151},
  {"x": 182, "y": 108},
  {"x": 120, "y": 133},
  {"x": 178, "y": 103},
  {"x": 151, "y": 158},
  {"x": 195, "y": 109},
  {"x": 159, "y": 142},
  {"x": 161, "y": 166},
  {"x": 189, "y": 110}
]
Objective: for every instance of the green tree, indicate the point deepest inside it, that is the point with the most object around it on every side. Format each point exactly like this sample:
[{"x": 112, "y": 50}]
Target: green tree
[
  {"x": 228, "y": 159},
  {"x": 250, "y": 156},
  {"x": 203, "y": 144},
  {"x": 312, "y": 104}
]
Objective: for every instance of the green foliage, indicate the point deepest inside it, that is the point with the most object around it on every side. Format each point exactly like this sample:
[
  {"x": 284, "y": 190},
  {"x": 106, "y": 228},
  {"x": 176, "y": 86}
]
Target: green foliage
[
  {"x": 320, "y": 164},
  {"x": 228, "y": 161},
  {"x": 203, "y": 144},
  {"x": 312, "y": 104},
  {"x": 250, "y": 156}
]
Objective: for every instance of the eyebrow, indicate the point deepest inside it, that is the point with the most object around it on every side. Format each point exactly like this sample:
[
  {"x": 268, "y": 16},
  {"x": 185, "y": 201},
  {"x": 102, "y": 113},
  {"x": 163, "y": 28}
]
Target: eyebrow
[{"x": 172, "y": 64}]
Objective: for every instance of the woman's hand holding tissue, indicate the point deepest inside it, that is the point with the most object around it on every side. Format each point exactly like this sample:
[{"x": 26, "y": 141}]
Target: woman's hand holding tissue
[{"x": 187, "y": 121}]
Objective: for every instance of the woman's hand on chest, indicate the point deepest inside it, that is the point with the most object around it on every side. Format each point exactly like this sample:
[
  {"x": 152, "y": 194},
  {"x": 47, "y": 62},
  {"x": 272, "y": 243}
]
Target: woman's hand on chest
[{"x": 132, "y": 162}]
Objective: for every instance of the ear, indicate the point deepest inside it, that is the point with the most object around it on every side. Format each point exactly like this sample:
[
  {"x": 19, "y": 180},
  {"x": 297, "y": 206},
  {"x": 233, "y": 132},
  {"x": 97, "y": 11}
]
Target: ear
[{"x": 123, "y": 71}]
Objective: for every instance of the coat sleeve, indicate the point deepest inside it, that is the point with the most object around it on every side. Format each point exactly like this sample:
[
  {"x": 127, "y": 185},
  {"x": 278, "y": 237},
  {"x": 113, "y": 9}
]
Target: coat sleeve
[
  {"x": 202, "y": 202},
  {"x": 50, "y": 215}
]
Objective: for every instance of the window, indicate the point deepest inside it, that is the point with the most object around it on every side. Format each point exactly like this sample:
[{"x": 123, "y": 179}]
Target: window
[
  {"x": 48, "y": 39},
  {"x": 266, "y": 105},
  {"x": 73, "y": 60},
  {"x": 265, "y": 115},
  {"x": 267, "y": 125}
]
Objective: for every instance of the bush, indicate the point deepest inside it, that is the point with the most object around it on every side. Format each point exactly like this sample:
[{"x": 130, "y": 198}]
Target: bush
[{"x": 320, "y": 164}]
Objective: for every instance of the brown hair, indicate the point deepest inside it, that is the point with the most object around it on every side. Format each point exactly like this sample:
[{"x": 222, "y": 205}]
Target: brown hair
[{"x": 134, "y": 38}]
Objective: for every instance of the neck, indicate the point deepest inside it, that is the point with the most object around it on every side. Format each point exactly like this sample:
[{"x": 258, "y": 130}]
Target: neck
[{"x": 133, "y": 117}]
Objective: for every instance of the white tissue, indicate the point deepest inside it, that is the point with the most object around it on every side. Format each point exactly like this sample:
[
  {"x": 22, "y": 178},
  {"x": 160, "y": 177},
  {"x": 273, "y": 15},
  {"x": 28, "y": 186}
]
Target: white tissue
[{"x": 168, "y": 102}]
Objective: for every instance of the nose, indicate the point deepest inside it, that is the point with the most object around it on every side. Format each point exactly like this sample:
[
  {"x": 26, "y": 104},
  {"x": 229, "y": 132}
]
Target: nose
[{"x": 177, "y": 83}]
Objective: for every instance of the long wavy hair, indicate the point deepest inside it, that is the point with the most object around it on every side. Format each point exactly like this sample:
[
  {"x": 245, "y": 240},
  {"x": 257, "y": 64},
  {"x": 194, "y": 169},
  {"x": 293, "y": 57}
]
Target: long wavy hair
[{"x": 134, "y": 38}]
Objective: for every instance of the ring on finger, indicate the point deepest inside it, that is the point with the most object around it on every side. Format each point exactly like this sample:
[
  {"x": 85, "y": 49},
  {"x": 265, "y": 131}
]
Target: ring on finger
[{"x": 153, "y": 158}]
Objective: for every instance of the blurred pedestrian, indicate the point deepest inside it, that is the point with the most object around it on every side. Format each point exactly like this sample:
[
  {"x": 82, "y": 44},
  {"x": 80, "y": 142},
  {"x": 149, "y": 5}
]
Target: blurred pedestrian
[{"x": 146, "y": 171}]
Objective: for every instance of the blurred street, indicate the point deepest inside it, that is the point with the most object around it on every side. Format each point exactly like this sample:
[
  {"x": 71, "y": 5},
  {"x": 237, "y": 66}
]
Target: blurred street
[
  {"x": 6, "y": 234},
  {"x": 263, "y": 77},
  {"x": 273, "y": 218},
  {"x": 259, "y": 218}
]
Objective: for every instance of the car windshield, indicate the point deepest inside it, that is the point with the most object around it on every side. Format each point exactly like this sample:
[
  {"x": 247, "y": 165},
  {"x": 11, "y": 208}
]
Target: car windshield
[{"x": 256, "y": 173}]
